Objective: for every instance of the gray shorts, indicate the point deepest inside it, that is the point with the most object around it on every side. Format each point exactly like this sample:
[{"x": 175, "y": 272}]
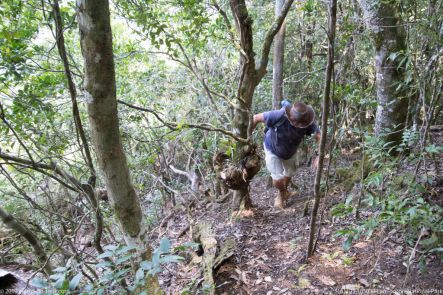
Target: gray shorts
[{"x": 279, "y": 167}]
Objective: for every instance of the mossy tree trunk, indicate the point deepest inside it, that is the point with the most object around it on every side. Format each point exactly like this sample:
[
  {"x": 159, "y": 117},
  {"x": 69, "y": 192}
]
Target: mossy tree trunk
[{"x": 389, "y": 38}]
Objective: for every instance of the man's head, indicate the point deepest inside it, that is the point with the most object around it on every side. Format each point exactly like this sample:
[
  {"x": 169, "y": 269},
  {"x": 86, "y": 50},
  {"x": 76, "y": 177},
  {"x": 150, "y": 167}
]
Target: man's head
[{"x": 300, "y": 114}]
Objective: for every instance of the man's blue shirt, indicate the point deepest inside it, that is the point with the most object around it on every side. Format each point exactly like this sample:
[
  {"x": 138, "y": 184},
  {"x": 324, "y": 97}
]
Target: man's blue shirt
[{"x": 284, "y": 140}]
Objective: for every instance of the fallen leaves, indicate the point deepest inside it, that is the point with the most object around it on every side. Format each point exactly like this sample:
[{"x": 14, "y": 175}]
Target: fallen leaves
[{"x": 325, "y": 280}]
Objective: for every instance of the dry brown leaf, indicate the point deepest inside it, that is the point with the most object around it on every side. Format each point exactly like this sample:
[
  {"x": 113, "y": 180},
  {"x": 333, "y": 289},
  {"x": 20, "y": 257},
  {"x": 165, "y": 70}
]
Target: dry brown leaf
[
  {"x": 325, "y": 280},
  {"x": 364, "y": 283},
  {"x": 360, "y": 245}
]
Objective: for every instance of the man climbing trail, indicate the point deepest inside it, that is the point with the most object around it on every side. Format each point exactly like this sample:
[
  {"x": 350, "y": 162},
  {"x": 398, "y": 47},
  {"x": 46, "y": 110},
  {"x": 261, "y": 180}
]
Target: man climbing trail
[{"x": 286, "y": 129}]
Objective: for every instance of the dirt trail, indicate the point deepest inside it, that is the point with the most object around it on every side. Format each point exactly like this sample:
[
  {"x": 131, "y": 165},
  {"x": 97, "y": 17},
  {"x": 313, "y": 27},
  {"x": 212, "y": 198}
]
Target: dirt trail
[{"x": 271, "y": 246}]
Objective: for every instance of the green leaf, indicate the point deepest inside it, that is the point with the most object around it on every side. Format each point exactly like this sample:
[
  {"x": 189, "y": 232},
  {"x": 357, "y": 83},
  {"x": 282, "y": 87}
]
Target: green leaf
[
  {"x": 104, "y": 264},
  {"x": 60, "y": 282},
  {"x": 344, "y": 232},
  {"x": 125, "y": 249},
  {"x": 420, "y": 189},
  {"x": 146, "y": 265},
  {"x": 433, "y": 149},
  {"x": 186, "y": 245},
  {"x": 75, "y": 281},
  {"x": 171, "y": 259},
  {"x": 124, "y": 259},
  {"x": 428, "y": 243},
  {"x": 440, "y": 249},
  {"x": 60, "y": 269},
  {"x": 110, "y": 247},
  {"x": 108, "y": 276},
  {"x": 120, "y": 273},
  {"x": 341, "y": 210},
  {"x": 105, "y": 255},
  {"x": 348, "y": 243},
  {"x": 56, "y": 276},
  {"x": 165, "y": 245},
  {"x": 140, "y": 274},
  {"x": 39, "y": 283}
]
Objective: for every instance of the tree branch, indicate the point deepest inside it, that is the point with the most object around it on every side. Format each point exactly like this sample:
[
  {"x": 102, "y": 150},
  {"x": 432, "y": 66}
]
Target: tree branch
[
  {"x": 178, "y": 126},
  {"x": 22, "y": 230},
  {"x": 43, "y": 166},
  {"x": 261, "y": 70},
  {"x": 60, "y": 40}
]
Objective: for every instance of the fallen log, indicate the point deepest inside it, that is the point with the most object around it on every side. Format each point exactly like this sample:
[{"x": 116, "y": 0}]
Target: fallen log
[{"x": 213, "y": 255}]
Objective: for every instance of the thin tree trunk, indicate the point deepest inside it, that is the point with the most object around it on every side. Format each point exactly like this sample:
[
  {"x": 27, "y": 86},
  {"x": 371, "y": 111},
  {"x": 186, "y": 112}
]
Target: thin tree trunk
[
  {"x": 32, "y": 239},
  {"x": 60, "y": 40},
  {"x": 278, "y": 61},
  {"x": 100, "y": 94},
  {"x": 324, "y": 125},
  {"x": 88, "y": 189},
  {"x": 390, "y": 46}
]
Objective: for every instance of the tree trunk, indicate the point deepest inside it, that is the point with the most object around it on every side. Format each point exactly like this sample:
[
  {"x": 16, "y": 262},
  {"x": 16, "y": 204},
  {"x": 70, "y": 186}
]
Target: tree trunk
[
  {"x": 100, "y": 94},
  {"x": 324, "y": 125},
  {"x": 60, "y": 40},
  {"x": 96, "y": 41},
  {"x": 389, "y": 39},
  {"x": 87, "y": 189},
  {"x": 251, "y": 75},
  {"x": 279, "y": 52},
  {"x": 22, "y": 230}
]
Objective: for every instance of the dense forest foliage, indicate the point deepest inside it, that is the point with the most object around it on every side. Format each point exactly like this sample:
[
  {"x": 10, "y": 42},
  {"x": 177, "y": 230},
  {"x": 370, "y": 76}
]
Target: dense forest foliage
[{"x": 128, "y": 155}]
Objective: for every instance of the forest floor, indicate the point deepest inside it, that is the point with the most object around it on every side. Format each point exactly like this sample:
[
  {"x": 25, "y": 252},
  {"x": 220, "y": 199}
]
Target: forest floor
[{"x": 269, "y": 257}]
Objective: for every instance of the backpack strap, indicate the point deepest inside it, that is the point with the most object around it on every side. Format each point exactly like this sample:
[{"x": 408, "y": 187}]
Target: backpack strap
[{"x": 280, "y": 122}]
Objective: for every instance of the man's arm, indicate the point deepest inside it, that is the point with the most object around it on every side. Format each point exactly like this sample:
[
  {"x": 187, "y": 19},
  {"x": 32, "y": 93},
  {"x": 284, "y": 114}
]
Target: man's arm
[
  {"x": 317, "y": 138},
  {"x": 258, "y": 118}
]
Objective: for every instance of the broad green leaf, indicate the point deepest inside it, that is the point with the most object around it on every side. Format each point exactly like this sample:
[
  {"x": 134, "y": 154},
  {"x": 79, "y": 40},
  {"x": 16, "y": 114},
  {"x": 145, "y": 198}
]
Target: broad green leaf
[
  {"x": 348, "y": 243},
  {"x": 140, "y": 274},
  {"x": 146, "y": 265},
  {"x": 104, "y": 264},
  {"x": 105, "y": 255},
  {"x": 75, "y": 281},
  {"x": 60, "y": 282},
  {"x": 125, "y": 249},
  {"x": 165, "y": 245},
  {"x": 39, "y": 283},
  {"x": 60, "y": 269},
  {"x": 171, "y": 259}
]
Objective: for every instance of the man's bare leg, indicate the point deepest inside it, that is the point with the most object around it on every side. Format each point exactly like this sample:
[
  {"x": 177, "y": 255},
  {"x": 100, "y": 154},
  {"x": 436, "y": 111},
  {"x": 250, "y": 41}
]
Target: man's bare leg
[{"x": 282, "y": 186}]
